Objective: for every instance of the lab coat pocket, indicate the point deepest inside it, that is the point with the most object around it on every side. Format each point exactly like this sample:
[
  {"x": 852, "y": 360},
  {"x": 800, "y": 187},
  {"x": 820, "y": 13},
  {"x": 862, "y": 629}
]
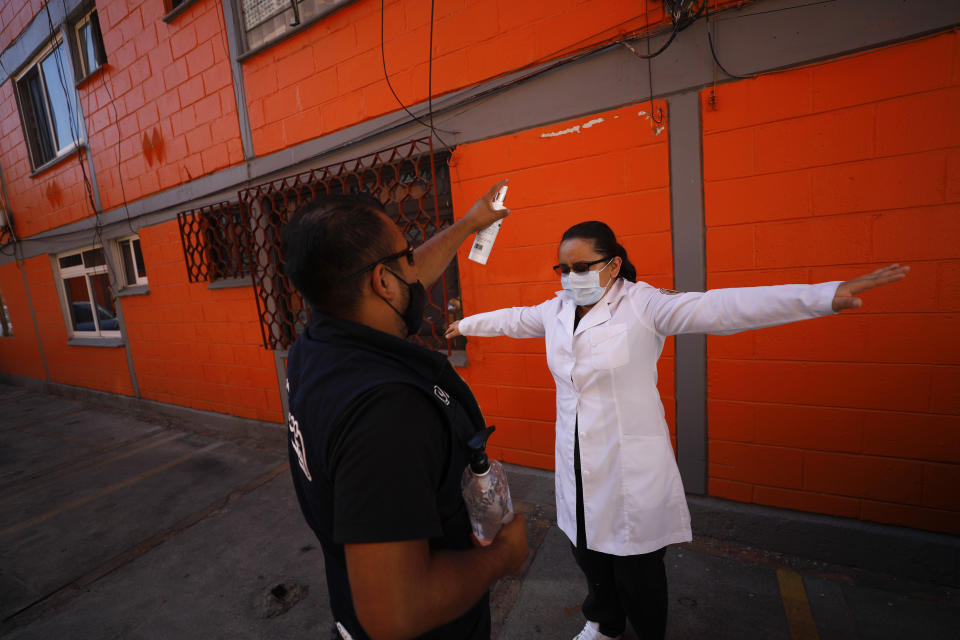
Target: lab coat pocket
[{"x": 609, "y": 347}]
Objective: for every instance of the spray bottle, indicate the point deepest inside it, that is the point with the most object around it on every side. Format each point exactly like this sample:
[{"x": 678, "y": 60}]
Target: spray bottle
[
  {"x": 485, "y": 490},
  {"x": 483, "y": 243}
]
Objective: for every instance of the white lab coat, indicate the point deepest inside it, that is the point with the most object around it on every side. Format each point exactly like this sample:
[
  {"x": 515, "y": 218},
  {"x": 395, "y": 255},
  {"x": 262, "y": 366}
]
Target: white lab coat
[{"x": 606, "y": 374}]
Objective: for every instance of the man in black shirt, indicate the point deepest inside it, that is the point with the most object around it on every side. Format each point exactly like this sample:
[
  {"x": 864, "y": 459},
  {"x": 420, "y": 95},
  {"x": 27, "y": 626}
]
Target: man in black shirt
[{"x": 378, "y": 427}]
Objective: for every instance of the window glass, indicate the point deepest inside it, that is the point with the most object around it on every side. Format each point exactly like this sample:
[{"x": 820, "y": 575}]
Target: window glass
[
  {"x": 129, "y": 273},
  {"x": 6, "y": 327},
  {"x": 59, "y": 83},
  {"x": 103, "y": 301},
  {"x": 87, "y": 51},
  {"x": 87, "y": 295},
  {"x": 74, "y": 260},
  {"x": 78, "y": 302},
  {"x": 94, "y": 258},
  {"x": 47, "y": 105},
  {"x": 131, "y": 259},
  {"x": 138, "y": 258}
]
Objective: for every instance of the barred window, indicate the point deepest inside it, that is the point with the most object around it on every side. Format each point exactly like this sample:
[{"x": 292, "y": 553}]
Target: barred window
[{"x": 265, "y": 20}]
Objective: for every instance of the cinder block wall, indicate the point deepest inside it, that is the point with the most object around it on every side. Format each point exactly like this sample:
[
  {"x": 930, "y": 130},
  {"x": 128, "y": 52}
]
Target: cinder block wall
[
  {"x": 101, "y": 368},
  {"x": 195, "y": 346},
  {"x": 609, "y": 166},
  {"x": 824, "y": 173},
  {"x": 20, "y": 353},
  {"x": 332, "y": 75}
]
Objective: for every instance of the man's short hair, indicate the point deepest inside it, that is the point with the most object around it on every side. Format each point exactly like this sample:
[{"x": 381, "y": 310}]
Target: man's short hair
[{"x": 326, "y": 241}]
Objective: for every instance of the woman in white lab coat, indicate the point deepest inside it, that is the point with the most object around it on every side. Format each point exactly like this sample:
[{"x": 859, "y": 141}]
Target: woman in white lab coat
[{"x": 620, "y": 499}]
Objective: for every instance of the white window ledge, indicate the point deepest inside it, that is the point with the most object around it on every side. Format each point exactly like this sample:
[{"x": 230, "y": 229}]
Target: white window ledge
[
  {"x": 231, "y": 283},
  {"x": 96, "y": 342},
  {"x": 135, "y": 290}
]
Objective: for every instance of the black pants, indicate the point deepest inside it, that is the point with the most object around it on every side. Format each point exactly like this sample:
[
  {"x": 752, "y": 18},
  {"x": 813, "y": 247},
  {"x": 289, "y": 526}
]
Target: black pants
[{"x": 620, "y": 587}]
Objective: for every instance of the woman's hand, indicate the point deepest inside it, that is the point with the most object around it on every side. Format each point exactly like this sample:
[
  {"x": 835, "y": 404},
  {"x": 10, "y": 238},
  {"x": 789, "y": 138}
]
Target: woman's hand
[
  {"x": 846, "y": 292},
  {"x": 453, "y": 330}
]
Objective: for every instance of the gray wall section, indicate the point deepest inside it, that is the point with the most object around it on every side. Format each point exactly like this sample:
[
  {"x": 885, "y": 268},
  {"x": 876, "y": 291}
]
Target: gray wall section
[
  {"x": 232, "y": 22},
  {"x": 37, "y": 34},
  {"x": 689, "y": 274}
]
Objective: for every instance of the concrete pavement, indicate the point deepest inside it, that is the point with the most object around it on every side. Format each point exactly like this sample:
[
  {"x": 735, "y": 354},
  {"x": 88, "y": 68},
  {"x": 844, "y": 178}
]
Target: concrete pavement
[{"x": 119, "y": 524}]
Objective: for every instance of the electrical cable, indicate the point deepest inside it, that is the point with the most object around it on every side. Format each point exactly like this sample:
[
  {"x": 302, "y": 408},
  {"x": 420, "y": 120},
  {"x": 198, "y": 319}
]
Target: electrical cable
[
  {"x": 383, "y": 59},
  {"x": 116, "y": 124},
  {"x": 713, "y": 51},
  {"x": 599, "y": 47},
  {"x": 71, "y": 113},
  {"x": 98, "y": 224},
  {"x": 430, "y": 72}
]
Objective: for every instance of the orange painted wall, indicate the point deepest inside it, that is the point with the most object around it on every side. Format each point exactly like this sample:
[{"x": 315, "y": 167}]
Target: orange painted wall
[
  {"x": 101, "y": 368},
  {"x": 194, "y": 346},
  {"x": 820, "y": 174},
  {"x": 161, "y": 113},
  {"x": 331, "y": 75},
  {"x": 613, "y": 169},
  {"x": 19, "y": 353},
  {"x": 52, "y": 198},
  {"x": 172, "y": 81}
]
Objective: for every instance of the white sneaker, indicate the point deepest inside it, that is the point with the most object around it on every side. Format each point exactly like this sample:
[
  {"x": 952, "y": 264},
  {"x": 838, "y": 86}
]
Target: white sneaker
[{"x": 591, "y": 631}]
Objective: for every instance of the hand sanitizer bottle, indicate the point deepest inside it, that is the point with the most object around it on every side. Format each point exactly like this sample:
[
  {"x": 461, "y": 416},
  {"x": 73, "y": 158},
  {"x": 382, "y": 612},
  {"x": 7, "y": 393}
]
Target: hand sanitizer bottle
[
  {"x": 483, "y": 243},
  {"x": 485, "y": 490}
]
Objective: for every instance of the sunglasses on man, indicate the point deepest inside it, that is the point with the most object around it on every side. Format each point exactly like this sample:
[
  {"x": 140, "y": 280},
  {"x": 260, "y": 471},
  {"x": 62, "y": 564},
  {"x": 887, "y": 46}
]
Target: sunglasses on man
[
  {"x": 577, "y": 267},
  {"x": 408, "y": 252}
]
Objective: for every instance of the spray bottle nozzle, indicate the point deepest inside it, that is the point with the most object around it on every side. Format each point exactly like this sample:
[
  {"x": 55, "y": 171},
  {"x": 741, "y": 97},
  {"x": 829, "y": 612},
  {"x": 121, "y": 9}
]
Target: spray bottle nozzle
[{"x": 479, "y": 463}]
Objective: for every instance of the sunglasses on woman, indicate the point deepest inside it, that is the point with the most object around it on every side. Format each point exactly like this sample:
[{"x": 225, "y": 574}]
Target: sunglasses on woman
[{"x": 577, "y": 267}]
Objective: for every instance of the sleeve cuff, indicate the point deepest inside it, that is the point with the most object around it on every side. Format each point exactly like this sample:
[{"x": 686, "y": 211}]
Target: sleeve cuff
[{"x": 824, "y": 295}]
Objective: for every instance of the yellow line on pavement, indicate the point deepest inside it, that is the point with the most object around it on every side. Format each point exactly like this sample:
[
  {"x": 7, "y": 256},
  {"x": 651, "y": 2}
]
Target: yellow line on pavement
[
  {"x": 796, "y": 606},
  {"x": 105, "y": 491}
]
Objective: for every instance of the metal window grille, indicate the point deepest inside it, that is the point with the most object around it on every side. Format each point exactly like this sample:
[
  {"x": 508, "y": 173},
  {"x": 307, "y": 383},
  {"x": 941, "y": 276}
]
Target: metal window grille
[
  {"x": 216, "y": 242},
  {"x": 411, "y": 182},
  {"x": 257, "y": 11}
]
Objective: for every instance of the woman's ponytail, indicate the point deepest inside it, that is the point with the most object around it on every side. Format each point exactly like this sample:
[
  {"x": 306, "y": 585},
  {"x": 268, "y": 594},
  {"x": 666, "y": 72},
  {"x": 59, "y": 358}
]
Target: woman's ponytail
[{"x": 627, "y": 271}]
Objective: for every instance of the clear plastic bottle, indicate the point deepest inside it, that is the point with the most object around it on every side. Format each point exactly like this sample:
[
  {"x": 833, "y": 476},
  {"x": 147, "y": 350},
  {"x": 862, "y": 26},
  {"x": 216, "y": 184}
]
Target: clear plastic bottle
[
  {"x": 485, "y": 490},
  {"x": 483, "y": 243}
]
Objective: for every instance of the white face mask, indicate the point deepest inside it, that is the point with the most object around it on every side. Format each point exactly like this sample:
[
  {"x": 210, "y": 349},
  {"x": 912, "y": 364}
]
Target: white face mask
[{"x": 584, "y": 288}]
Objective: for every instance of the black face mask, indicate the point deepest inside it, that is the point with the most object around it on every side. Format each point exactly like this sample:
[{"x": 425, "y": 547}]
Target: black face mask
[{"x": 412, "y": 316}]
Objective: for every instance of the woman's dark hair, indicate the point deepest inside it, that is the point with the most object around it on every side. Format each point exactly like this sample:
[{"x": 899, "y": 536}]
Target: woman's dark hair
[
  {"x": 605, "y": 243},
  {"x": 326, "y": 241}
]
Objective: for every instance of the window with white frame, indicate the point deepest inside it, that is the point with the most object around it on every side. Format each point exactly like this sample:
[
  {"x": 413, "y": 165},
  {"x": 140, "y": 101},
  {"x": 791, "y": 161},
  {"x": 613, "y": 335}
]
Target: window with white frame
[
  {"x": 85, "y": 285},
  {"x": 45, "y": 92},
  {"x": 131, "y": 259},
  {"x": 89, "y": 44},
  {"x": 6, "y": 327},
  {"x": 265, "y": 20}
]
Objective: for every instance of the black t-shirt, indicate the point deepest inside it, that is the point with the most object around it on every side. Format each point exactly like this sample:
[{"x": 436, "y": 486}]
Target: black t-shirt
[
  {"x": 386, "y": 466},
  {"x": 377, "y": 432}
]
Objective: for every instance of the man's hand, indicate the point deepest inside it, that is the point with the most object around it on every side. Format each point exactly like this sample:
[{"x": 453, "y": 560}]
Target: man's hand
[
  {"x": 403, "y": 589},
  {"x": 482, "y": 214},
  {"x": 434, "y": 255},
  {"x": 846, "y": 292},
  {"x": 453, "y": 330},
  {"x": 511, "y": 540}
]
